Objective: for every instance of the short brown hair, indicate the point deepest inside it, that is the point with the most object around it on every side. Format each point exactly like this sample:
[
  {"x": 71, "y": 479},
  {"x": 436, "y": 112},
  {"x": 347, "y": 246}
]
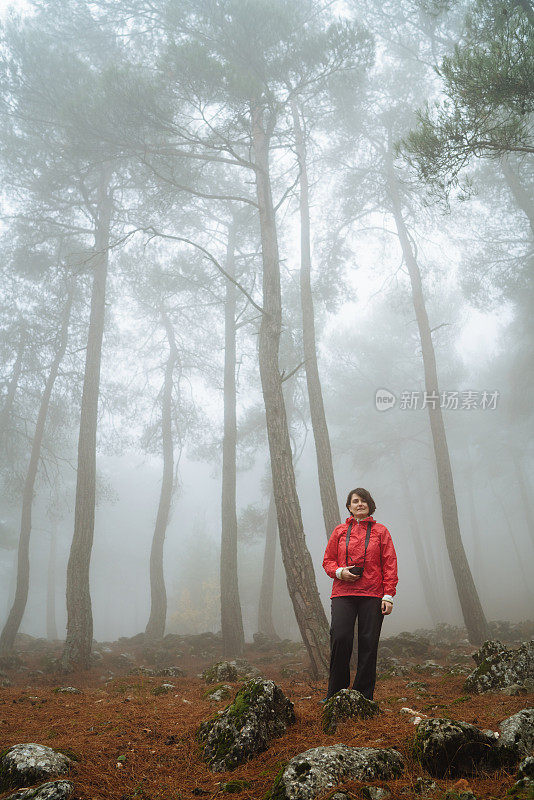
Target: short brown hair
[{"x": 365, "y": 495}]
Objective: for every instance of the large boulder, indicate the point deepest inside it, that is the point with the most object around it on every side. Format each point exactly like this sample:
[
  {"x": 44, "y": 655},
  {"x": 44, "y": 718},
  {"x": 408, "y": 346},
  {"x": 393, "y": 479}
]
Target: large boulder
[
  {"x": 230, "y": 671},
  {"x": 259, "y": 713},
  {"x": 24, "y": 764},
  {"x": 315, "y": 771},
  {"x": 406, "y": 644},
  {"x": 346, "y": 704},
  {"x": 53, "y": 790},
  {"x": 517, "y": 733},
  {"x": 449, "y": 749},
  {"x": 498, "y": 667}
]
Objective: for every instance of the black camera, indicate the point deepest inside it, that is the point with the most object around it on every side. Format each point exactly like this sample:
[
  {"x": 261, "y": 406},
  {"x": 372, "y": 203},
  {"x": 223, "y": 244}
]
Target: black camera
[{"x": 358, "y": 571}]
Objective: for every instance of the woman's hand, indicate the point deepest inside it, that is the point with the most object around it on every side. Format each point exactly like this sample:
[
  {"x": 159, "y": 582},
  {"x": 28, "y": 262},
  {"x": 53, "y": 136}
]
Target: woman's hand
[
  {"x": 347, "y": 575},
  {"x": 387, "y": 607}
]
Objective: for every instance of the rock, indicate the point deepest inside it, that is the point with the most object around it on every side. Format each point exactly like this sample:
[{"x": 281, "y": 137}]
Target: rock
[
  {"x": 526, "y": 768},
  {"x": 424, "y": 785},
  {"x": 447, "y": 748},
  {"x": 259, "y": 713},
  {"x": 230, "y": 671},
  {"x": 145, "y": 671},
  {"x": 221, "y": 671},
  {"x": 53, "y": 790},
  {"x": 219, "y": 693},
  {"x": 407, "y": 644},
  {"x": 517, "y": 733},
  {"x": 170, "y": 672},
  {"x": 524, "y": 787},
  {"x": 67, "y": 690},
  {"x": 165, "y": 688},
  {"x": 514, "y": 689},
  {"x": 314, "y": 771},
  {"x": 374, "y": 793},
  {"x": 24, "y": 764},
  {"x": 346, "y": 704},
  {"x": 125, "y": 660},
  {"x": 497, "y": 667}
]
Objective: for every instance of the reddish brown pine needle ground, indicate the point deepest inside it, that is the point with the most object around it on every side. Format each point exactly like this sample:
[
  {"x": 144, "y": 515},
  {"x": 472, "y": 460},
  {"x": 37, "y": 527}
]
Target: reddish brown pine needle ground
[{"x": 130, "y": 743}]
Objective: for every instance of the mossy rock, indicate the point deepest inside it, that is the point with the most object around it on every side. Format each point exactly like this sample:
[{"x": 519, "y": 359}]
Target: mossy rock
[
  {"x": 259, "y": 712},
  {"x": 25, "y": 764},
  {"x": 346, "y": 704}
]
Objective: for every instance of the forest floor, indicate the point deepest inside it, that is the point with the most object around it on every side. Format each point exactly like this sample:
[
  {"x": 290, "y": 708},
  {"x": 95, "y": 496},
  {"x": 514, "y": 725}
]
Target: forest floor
[{"x": 131, "y": 743}]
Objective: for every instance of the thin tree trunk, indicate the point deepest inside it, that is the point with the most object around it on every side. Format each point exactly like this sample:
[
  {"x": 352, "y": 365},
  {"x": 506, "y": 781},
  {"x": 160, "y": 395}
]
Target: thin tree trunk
[
  {"x": 432, "y": 603},
  {"x": 325, "y": 469},
  {"x": 525, "y": 494},
  {"x": 265, "y": 608},
  {"x": 475, "y": 532},
  {"x": 51, "y": 626},
  {"x": 77, "y": 649},
  {"x": 231, "y": 617},
  {"x": 300, "y": 575},
  {"x": 522, "y": 198},
  {"x": 5, "y": 415},
  {"x": 10, "y": 630},
  {"x": 155, "y": 628},
  {"x": 527, "y": 581},
  {"x": 473, "y": 614}
]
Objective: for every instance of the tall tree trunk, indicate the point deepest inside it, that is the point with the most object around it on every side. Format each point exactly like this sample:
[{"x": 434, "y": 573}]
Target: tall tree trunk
[
  {"x": 325, "y": 469},
  {"x": 155, "y": 628},
  {"x": 7, "y": 408},
  {"x": 231, "y": 617},
  {"x": 51, "y": 626},
  {"x": 77, "y": 649},
  {"x": 298, "y": 565},
  {"x": 10, "y": 630},
  {"x": 524, "y": 492},
  {"x": 527, "y": 580},
  {"x": 475, "y": 621},
  {"x": 522, "y": 198},
  {"x": 475, "y": 532},
  {"x": 432, "y": 603},
  {"x": 265, "y": 607}
]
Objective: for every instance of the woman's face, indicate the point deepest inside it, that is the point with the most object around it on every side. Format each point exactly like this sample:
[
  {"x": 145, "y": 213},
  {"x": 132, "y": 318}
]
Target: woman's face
[{"x": 358, "y": 507}]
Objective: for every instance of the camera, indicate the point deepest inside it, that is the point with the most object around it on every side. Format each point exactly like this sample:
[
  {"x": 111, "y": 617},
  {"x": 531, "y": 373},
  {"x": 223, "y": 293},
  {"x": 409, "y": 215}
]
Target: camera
[{"x": 358, "y": 571}]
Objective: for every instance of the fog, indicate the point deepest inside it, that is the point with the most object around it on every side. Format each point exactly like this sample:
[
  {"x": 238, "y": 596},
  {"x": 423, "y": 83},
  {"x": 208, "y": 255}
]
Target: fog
[{"x": 257, "y": 252}]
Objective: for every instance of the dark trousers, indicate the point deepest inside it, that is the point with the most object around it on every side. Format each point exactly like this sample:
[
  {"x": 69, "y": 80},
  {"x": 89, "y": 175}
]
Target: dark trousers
[{"x": 345, "y": 611}]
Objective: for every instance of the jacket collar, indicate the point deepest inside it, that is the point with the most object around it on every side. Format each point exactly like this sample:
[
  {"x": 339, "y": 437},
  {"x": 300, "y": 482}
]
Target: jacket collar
[{"x": 353, "y": 519}]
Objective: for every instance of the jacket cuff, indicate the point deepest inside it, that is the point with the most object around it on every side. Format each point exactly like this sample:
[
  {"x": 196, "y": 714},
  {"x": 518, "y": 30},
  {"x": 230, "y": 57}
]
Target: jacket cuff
[
  {"x": 388, "y": 597},
  {"x": 339, "y": 570}
]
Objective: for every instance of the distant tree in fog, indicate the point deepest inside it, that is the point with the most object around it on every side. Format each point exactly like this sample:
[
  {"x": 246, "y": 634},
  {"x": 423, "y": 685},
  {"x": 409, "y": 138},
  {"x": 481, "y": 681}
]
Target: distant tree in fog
[{"x": 11, "y": 627}]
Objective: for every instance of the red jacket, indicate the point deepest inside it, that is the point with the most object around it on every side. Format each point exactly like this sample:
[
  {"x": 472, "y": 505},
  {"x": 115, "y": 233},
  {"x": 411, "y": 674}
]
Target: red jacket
[{"x": 380, "y": 572}]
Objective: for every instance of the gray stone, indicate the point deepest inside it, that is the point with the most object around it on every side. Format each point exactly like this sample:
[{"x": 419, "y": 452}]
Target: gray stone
[
  {"x": 346, "y": 704},
  {"x": 170, "y": 672},
  {"x": 406, "y": 644},
  {"x": 221, "y": 671},
  {"x": 514, "y": 689},
  {"x": 259, "y": 713},
  {"x": 315, "y": 771},
  {"x": 447, "y": 748},
  {"x": 220, "y": 693},
  {"x": 524, "y": 787},
  {"x": 517, "y": 733},
  {"x": 53, "y": 790},
  {"x": 24, "y": 764},
  {"x": 424, "y": 785},
  {"x": 497, "y": 667},
  {"x": 67, "y": 690},
  {"x": 526, "y": 768},
  {"x": 374, "y": 793}
]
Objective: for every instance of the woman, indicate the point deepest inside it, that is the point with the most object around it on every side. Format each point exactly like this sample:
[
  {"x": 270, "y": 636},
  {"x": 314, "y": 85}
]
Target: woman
[{"x": 361, "y": 546}]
